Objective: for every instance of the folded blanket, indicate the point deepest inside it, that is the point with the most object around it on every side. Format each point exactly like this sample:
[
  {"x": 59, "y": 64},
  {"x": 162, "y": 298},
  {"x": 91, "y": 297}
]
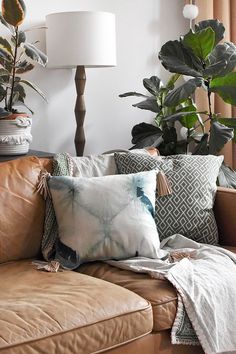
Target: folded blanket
[{"x": 205, "y": 279}]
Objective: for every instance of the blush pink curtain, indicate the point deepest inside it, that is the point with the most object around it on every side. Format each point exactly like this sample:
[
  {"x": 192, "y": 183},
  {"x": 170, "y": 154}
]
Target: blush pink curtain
[{"x": 225, "y": 11}]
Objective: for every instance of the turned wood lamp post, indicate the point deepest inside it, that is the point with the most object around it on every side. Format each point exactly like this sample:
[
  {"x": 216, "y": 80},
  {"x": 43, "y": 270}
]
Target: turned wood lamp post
[{"x": 83, "y": 39}]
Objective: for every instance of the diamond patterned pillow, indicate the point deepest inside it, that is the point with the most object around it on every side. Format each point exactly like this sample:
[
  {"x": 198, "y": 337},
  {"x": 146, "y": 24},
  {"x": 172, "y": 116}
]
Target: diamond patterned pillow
[{"x": 189, "y": 209}]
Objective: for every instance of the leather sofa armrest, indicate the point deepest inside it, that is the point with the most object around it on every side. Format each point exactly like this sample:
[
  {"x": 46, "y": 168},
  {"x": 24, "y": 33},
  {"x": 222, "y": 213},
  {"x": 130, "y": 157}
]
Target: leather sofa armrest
[{"x": 225, "y": 213}]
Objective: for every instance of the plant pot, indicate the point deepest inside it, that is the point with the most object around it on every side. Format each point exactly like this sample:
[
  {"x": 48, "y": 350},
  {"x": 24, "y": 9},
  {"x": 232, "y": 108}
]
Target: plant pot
[{"x": 15, "y": 134}]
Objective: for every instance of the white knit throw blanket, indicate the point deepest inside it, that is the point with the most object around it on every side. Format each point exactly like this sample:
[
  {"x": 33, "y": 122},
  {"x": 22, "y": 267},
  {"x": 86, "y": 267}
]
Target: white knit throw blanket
[{"x": 205, "y": 279}]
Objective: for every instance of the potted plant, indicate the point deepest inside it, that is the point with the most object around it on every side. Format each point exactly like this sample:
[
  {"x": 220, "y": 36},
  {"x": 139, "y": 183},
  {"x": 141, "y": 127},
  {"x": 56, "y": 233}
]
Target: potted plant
[
  {"x": 208, "y": 64},
  {"x": 17, "y": 57}
]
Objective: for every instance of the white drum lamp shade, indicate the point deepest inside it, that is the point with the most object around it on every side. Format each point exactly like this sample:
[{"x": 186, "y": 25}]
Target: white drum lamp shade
[{"x": 83, "y": 39}]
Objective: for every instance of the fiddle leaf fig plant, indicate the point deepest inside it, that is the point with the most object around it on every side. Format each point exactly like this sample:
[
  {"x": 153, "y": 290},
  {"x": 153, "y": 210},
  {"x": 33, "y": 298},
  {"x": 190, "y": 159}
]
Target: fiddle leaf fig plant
[
  {"x": 17, "y": 57},
  {"x": 211, "y": 66},
  {"x": 208, "y": 64}
]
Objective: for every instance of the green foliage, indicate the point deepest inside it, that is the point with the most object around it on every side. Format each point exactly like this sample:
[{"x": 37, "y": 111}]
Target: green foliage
[
  {"x": 217, "y": 27},
  {"x": 210, "y": 65},
  {"x": 225, "y": 86},
  {"x": 179, "y": 59},
  {"x": 201, "y": 43},
  {"x": 231, "y": 123},
  {"x": 164, "y": 133},
  {"x": 17, "y": 57},
  {"x": 13, "y": 12},
  {"x": 182, "y": 93}
]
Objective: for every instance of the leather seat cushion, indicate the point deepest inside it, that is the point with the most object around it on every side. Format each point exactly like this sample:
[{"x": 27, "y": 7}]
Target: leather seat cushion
[
  {"x": 66, "y": 312},
  {"x": 160, "y": 293},
  {"x": 21, "y": 208}
]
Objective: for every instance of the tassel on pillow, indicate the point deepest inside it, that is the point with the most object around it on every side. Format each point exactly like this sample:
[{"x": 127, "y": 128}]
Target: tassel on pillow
[
  {"x": 163, "y": 185},
  {"x": 42, "y": 186}
]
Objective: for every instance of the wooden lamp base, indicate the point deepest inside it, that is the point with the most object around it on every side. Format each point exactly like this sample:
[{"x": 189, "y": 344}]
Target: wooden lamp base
[{"x": 80, "y": 110}]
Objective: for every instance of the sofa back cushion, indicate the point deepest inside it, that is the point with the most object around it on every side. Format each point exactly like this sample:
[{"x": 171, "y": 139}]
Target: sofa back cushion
[
  {"x": 188, "y": 210},
  {"x": 21, "y": 208}
]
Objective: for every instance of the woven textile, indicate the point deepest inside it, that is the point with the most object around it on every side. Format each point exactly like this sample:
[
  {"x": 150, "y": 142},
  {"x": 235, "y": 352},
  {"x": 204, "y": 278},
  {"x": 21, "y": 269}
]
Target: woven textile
[
  {"x": 62, "y": 166},
  {"x": 188, "y": 210}
]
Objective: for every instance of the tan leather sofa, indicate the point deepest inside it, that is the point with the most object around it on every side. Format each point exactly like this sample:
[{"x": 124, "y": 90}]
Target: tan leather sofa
[{"x": 98, "y": 309}]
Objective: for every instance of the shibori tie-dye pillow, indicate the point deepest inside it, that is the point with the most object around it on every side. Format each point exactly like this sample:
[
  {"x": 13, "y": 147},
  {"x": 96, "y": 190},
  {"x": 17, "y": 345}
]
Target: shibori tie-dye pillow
[{"x": 101, "y": 218}]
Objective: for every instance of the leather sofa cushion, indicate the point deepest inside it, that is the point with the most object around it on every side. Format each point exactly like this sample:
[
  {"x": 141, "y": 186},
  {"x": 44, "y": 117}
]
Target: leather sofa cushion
[
  {"x": 225, "y": 215},
  {"x": 66, "y": 312},
  {"x": 21, "y": 208},
  {"x": 160, "y": 293}
]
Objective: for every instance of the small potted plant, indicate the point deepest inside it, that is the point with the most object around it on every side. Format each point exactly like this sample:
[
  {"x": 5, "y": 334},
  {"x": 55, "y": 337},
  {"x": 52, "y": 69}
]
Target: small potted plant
[{"x": 17, "y": 57}]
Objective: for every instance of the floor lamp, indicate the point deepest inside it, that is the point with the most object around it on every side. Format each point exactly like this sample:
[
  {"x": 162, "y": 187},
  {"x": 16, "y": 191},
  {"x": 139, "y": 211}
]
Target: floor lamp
[{"x": 83, "y": 39}]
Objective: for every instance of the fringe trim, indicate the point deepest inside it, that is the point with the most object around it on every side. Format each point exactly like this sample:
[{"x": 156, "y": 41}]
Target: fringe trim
[
  {"x": 16, "y": 139},
  {"x": 42, "y": 187},
  {"x": 51, "y": 267},
  {"x": 163, "y": 185},
  {"x": 174, "y": 338},
  {"x": 194, "y": 321}
]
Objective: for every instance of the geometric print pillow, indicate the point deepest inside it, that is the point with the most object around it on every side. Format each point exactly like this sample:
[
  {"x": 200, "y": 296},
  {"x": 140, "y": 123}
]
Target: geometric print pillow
[
  {"x": 189, "y": 209},
  {"x": 101, "y": 218}
]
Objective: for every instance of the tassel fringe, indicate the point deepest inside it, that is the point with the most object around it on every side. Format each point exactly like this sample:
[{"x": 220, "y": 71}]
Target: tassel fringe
[
  {"x": 42, "y": 186},
  {"x": 51, "y": 267},
  {"x": 163, "y": 185}
]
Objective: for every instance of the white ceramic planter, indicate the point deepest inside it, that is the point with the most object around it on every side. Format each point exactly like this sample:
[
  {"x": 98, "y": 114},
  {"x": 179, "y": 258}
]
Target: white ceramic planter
[{"x": 15, "y": 135}]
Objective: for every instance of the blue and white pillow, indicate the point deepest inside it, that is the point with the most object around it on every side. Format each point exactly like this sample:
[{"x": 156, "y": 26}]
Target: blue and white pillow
[{"x": 103, "y": 218}]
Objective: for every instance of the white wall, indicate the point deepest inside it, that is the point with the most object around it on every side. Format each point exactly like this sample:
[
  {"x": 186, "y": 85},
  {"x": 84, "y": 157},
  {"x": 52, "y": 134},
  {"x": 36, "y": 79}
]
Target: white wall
[{"x": 142, "y": 27}]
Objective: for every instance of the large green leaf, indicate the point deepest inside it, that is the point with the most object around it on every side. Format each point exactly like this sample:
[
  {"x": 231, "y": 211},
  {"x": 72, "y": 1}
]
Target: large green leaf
[
  {"x": 34, "y": 87},
  {"x": 178, "y": 59},
  {"x": 4, "y": 72},
  {"x": 24, "y": 67},
  {"x": 4, "y": 113},
  {"x": 128, "y": 94},
  {"x": 201, "y": 42},
  {"x": 2, "y": 90},
  {"x": 225, "y": 87},
  {"x": 150, "y": 104},
  {"x": 35, "y": 54},
  {"x": 229, "y": 122},
  {"x": 21, "y": 90},
  {"x": 145, "y": 134},
  {"x": 172, "y": 80},
  {"x": 215, "y": 25},
  {"x": 21, "y": 37},
  {"x": 188, "y": 121},
  {"x": 13, "y": 11},
  {"x": 152, "y": 85},
  {"x": 227, "y": 177},
  {"x": 222, "y": 60},
  {"x": 168, "y": 147},
  {"x": 9, "y": 27},
  {"x": 5, "y": 64},
  {"x": 181, "y": 93},
  {"x": 5, "y": 45},
  {"x": 179, "y": 115},
  {"x": 219, "y": 136},
  {"x": 5, "y": 56},
  {"x": 202, "y": 146}
]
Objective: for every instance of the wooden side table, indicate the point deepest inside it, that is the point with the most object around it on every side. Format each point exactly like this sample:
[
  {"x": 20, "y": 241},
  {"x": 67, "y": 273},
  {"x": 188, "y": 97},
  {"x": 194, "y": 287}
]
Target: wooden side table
[{"x": 30, "y": 153}]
